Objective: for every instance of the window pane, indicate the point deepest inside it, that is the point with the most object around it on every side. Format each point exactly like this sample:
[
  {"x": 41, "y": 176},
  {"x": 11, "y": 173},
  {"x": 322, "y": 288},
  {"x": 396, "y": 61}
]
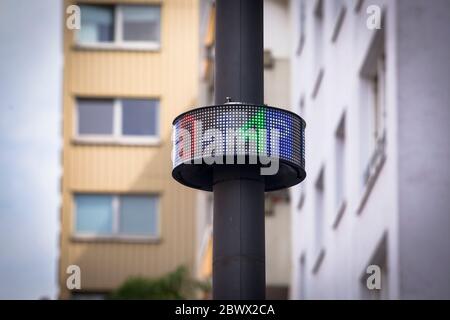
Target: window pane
[
  {"x": 138, "y": 215},
  {"x": 139, "y": 117},
  {"x": 95, "y": 116},
  {"x": 97, "y": 24},
  {"x": 93, "y": 214},
  {"x": 141, "y": 23}
]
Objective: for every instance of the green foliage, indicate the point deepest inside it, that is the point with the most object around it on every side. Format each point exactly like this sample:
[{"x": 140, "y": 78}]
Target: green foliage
[{"x": 175, "y": 285}]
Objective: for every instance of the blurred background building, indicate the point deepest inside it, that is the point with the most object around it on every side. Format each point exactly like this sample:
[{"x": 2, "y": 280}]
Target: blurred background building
[
  {"x": 376, "y": 103},
  {"x": 129, "y": 70},
  {"x": 376, "y": 106}
]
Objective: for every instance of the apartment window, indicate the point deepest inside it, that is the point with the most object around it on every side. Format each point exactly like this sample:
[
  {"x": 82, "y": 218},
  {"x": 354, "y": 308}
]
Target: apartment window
[
  {"x": 373, "y": 114},
  {"x": 340, "y": 136},
  {"x": 116, "y": 215},
  {"x": 338, "y": 16},
  {"x": 112, "y": 26},
  {"x": 302, "y": 275},
  {"x": 141, "y": 23},
  {"x": 301, "y": 199},
  {"x": 318, "y": 35},
  {"x": 139, "y": 118},
  {"x": 378, "y": 101},
  {"x": 375, "y": 102},
  {"x": 318, "y": 46},
  {"x": 94, "y": 214},
  {"x": 319, "y": 212},
  {"x": 302, "y": 24},
  {"x": 97, "y": 24},
  {"x": 138, "y": 215},
  {"x": 95, "y": 117},
  {"x": 117, "y": 120}
]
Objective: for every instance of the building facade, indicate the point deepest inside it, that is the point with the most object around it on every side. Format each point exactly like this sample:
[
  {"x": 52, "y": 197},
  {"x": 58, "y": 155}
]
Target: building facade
[
  {"x": 376, "y": 104},
  {"x": 129, "y": 70}
]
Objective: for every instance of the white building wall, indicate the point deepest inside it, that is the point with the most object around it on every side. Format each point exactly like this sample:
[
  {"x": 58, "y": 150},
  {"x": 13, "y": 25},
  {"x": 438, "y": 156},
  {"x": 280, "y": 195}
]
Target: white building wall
[
  {"x": 395, "y": 210},
  {"x": 278, "y": 249},
  {"x": 276, "y": 28},
  {"x": 424, "y": 148}
]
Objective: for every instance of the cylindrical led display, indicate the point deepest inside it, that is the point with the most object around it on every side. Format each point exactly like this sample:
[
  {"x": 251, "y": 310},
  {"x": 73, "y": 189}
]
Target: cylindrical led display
[{"x": 234, "y": 134}]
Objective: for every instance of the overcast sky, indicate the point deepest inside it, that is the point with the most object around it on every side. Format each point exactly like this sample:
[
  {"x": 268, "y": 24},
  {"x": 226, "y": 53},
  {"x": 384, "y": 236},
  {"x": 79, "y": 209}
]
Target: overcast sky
[{"x": 30, "y": 107}]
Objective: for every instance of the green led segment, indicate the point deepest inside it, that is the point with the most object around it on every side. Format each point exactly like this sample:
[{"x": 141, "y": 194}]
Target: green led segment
[{"x": 256, "y": 122}]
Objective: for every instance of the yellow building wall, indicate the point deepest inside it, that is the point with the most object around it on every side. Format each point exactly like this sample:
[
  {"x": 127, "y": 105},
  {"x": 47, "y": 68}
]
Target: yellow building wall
[{"x": 169, "y": 74}]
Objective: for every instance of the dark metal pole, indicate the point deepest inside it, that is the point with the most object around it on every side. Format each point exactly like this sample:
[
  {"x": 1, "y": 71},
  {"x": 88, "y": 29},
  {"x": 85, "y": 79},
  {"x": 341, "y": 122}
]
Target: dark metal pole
[{"x": 238, "y": 237}]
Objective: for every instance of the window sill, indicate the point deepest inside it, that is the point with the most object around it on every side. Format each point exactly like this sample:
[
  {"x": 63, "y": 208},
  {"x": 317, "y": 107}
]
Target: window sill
[
  {"x": 338, "y": 24},
  {"x": 115, "y": 239},
  {"x": 151, "y": 142},
  {"x": 319, "y": 260},
  {"x": 150, "y": 47},
  {"x": 339, "y": 214}
]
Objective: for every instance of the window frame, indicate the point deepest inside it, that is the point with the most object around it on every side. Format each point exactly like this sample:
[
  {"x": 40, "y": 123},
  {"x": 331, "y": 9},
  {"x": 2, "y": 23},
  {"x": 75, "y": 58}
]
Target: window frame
[
  {"x": 117, "y": 136},
  {"x": 118, "y": 43},
  {"x": 115, "y": 234},
  {"x": 373, "y": 81},
  {"x": 376, "y": 112}
]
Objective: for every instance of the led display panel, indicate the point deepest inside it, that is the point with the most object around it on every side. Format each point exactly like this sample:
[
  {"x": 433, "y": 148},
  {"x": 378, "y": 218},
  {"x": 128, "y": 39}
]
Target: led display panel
[{"x": 214, "y": 135}]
